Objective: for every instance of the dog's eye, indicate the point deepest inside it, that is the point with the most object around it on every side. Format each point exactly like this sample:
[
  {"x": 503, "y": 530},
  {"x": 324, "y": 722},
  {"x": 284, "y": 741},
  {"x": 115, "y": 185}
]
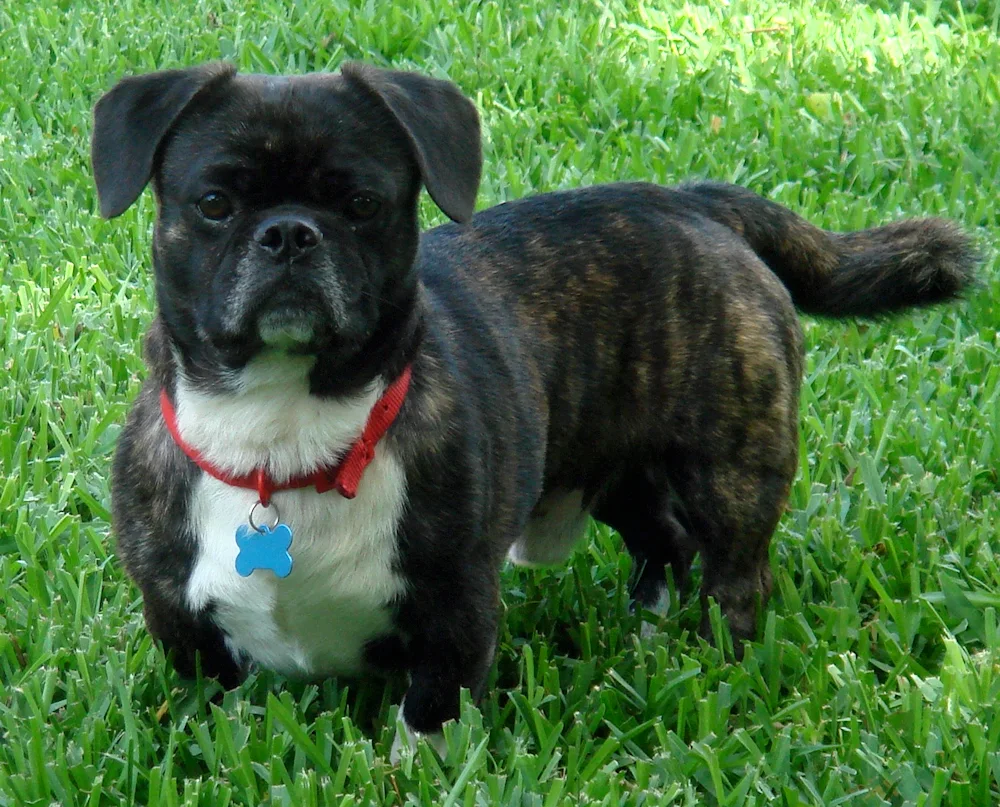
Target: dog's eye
[
  {"x": 215, "y": 206},
  {"x": 362, "y": 207}
]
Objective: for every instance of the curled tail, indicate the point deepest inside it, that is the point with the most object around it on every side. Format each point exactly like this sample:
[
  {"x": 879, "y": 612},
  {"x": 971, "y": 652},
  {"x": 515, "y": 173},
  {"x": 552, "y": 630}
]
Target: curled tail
[{"x": 908, "y": 263}]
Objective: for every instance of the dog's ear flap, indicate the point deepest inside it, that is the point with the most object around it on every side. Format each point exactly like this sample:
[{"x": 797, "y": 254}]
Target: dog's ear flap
[
  {"x": 130, "y": 121},
  {"x": 443, "y": 128}
]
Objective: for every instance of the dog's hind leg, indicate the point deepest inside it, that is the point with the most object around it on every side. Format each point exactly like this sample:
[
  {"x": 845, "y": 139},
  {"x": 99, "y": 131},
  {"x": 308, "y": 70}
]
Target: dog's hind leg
[
  {"x": 642, "y": 507},
  {"x": 733, "y": 508}
]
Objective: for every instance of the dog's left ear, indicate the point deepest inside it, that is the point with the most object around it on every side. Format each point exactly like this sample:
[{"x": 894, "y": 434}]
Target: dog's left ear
[{"x": 443, "y": 128}]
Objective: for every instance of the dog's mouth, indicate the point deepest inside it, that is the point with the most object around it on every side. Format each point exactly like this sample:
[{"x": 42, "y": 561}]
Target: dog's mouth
[
  {"x": 288, "y": 327},
  {"x": 293, "y": 319}
]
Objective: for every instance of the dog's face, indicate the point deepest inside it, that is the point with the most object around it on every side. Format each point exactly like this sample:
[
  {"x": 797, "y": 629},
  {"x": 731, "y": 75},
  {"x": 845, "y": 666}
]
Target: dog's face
[
  {"x": 287, "y": 216},
  {"x": 287, "y": 207}
]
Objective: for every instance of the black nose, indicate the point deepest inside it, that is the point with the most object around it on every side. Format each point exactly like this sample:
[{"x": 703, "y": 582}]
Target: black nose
[{"x": 287, "y": 236}]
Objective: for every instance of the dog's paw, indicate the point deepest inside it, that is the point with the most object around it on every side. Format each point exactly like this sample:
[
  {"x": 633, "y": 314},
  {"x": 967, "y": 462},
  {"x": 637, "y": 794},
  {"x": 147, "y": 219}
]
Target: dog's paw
[
  {"x": 406, "y": 739},
  {"x": 653, "y": 614}
]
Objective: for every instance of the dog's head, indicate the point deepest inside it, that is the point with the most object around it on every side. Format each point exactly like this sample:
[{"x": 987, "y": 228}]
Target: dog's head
[{"x": 287, "y": 206}]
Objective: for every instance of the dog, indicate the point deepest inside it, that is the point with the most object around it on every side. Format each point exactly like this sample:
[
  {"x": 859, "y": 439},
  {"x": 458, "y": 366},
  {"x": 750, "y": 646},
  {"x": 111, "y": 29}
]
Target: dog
[{"x": 349, "y": 425}]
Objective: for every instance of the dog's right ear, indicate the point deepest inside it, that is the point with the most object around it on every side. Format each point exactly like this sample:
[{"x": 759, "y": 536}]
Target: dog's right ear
[{"x": 130, "y": 122}]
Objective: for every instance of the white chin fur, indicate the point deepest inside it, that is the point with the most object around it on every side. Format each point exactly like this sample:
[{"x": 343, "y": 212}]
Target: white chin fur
[{"x": 284, "y": 330}]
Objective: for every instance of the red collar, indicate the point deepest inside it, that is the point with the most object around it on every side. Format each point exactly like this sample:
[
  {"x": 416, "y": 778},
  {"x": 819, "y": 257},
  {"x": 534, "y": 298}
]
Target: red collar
[{"x": 343, "y": 477}]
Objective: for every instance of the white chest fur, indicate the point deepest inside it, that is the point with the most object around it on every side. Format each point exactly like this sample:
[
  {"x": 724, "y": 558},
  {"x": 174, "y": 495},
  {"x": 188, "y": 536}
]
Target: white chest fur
[{"x": 317, "y": 620}]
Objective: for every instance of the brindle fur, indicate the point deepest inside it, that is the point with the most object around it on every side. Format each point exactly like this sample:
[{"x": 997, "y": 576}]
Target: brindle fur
[
  {"x": 659, "y": 329},
  {"x": 635, "y": 342}
]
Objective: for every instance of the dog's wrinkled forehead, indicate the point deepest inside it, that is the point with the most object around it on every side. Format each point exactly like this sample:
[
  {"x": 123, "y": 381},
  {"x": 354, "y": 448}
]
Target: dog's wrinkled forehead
[{"x": 288, "y": 134}]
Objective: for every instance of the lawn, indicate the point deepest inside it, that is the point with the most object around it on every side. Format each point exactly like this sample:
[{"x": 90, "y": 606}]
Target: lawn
[{"x": 876, "y": 678}]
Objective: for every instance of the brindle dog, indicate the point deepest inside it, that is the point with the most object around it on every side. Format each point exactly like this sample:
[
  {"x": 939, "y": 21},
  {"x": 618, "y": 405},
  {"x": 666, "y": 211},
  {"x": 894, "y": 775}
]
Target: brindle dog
[{"x": 628, "y": 351}]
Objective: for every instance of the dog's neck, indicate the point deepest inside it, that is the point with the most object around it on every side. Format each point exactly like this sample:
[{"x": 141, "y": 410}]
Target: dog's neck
[{"x": 272, "y": 422}]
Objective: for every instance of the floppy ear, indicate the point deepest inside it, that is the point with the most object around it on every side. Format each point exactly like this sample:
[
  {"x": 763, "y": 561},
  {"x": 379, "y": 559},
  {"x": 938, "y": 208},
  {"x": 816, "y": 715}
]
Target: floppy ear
[
  {"x": 443, "y": 128},
  {"x": 130, "y": 121}
]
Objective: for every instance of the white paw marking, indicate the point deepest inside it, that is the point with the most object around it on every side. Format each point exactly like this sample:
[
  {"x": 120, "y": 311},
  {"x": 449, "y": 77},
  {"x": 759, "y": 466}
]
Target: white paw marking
[
  {"x": 660, "y": 608},
  {"x": 406, "y": 739}
]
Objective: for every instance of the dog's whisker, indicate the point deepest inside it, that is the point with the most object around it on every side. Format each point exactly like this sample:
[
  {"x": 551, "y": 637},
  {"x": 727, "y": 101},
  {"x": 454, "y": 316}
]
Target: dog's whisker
[{"x": 389, "y": 303}]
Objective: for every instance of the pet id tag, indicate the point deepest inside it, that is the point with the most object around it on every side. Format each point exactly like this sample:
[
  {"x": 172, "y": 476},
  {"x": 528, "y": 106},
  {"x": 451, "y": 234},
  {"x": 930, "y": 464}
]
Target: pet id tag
[{"x": 264, "y": 547}]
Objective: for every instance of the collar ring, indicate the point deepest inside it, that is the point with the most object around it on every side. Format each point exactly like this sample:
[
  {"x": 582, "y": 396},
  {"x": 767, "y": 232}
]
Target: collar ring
[{"x": 268, "y": 509}]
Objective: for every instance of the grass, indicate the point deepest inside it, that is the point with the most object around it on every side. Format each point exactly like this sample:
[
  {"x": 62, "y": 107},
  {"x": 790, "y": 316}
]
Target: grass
[{"x": 876, "y": 679}]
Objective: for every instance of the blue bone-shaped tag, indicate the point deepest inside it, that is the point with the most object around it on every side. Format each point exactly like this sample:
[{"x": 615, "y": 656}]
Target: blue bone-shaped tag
[{"x": 264, "y": 549}]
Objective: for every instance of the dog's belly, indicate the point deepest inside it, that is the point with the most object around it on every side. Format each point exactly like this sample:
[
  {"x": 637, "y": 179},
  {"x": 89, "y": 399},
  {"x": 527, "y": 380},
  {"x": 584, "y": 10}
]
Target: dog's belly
[
  {"x": 557, "y": 524},
  {"x": 316, "y": 621}
]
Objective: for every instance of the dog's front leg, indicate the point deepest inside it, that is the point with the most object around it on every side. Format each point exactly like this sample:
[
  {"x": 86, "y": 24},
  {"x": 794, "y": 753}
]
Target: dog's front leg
[
  {"x": 452, "y": 622},
  {"x": 191, "y": 639}
]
